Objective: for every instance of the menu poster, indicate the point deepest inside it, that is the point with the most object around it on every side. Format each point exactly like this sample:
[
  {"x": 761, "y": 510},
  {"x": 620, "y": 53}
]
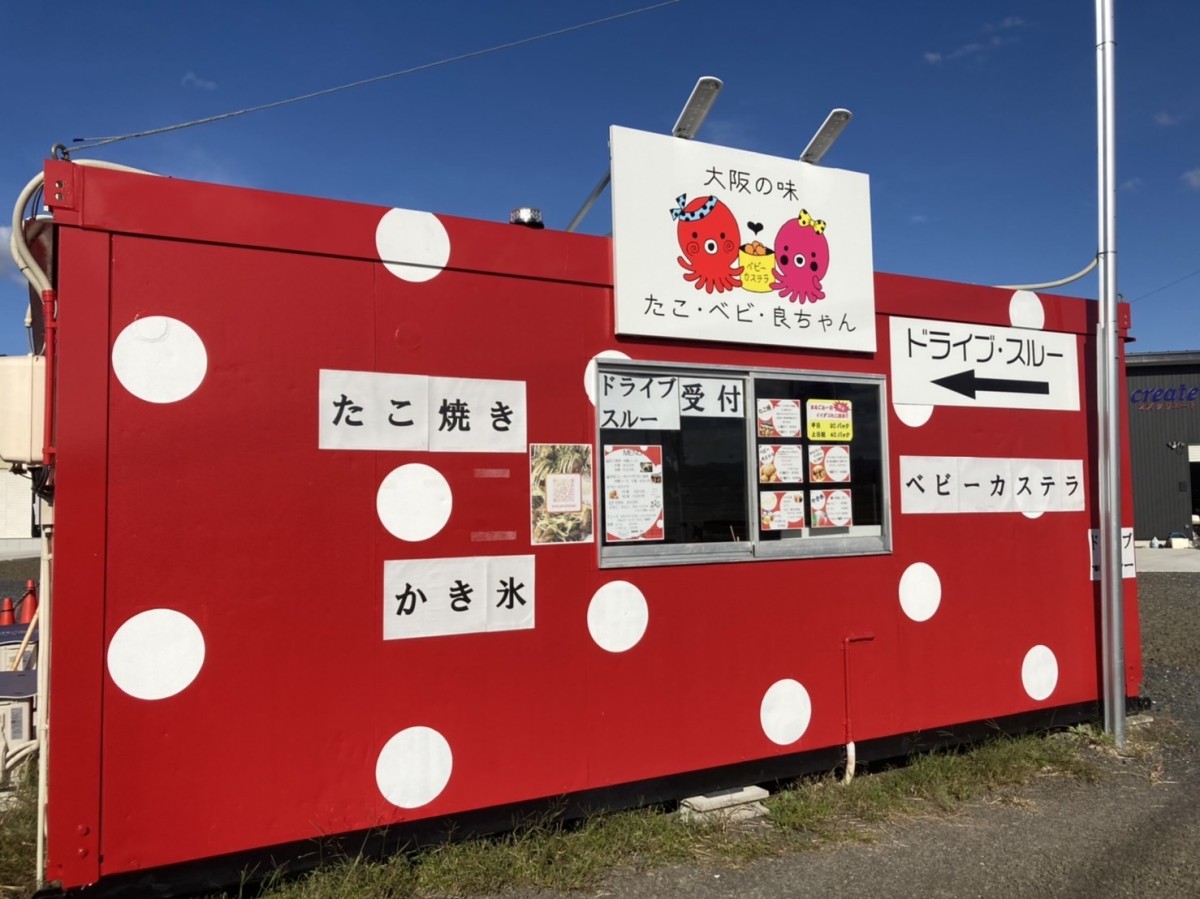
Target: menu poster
[
  {"x": 778, "y": 418},
  {"x": 830, "y": 420},
  {"x": 633, "y": 493},
  {"x": 828, "y": 463},
  {"x": 781, "y": 510},
  {"x": 560, "y": 492},
  {"x": 780, "y": 464},
  {"x": 830, "y": 509}
]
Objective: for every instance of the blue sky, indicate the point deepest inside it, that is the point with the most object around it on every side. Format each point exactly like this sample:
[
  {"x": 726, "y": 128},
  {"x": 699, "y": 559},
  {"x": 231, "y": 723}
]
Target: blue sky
[{"x": 975, "y": 120}]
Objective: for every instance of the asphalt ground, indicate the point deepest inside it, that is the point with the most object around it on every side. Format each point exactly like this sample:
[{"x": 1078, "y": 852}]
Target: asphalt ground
[{"x": 1135, "y": 833}]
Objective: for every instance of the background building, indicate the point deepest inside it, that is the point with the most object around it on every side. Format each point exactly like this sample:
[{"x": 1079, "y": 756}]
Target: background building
[{"x": 1164, "y": 433}]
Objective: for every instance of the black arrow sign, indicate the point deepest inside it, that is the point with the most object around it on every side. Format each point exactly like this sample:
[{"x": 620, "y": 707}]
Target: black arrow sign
[{"x": 968, "y": 384}]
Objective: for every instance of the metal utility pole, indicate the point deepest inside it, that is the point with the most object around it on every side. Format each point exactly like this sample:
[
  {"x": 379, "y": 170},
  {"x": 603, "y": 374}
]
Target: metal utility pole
[{"x": 1112, "y": 603}]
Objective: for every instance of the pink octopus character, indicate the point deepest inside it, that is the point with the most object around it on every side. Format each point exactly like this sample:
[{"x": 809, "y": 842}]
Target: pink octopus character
[
  {"x": 709, "y": 240},
  {"x": 801, "y": 259}
]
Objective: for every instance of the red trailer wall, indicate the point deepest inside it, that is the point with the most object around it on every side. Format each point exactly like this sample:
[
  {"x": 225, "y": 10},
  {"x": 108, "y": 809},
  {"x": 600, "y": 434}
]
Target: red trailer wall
[{"x": 219, "y": 511}]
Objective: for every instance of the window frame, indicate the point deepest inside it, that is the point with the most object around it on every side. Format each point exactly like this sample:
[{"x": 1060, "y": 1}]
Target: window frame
[{"x": 640, "y": 554}]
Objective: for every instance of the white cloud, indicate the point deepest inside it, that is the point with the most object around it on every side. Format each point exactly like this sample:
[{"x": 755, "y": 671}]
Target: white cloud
[
  {"x": 1165, "y": 119},
  {"x": 1005, "y": 24},
  {"x": 1192, "y": 179},
  {"x": 918, "y": 219},
  {"x": 979, "y": 50},
  {"x": 1132, "y": 185},
  {"x": 191, "y": 79},
  {"x": 965, "y": 50}
]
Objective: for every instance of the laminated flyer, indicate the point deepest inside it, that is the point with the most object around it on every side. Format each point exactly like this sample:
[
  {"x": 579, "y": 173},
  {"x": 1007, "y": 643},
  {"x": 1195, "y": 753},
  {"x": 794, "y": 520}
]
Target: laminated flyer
[
  {"x": 828, "y": 463},
  {"x": 831, "y": 509},
  {"x": 781, "y": 510},
  {"x": 780, "y": 464},
  {"x": 778, "y": 418},
  {"x": 633, "y": 493},
  {"x": 830, "y": 420},
  {"x": 560, "y": 492}
]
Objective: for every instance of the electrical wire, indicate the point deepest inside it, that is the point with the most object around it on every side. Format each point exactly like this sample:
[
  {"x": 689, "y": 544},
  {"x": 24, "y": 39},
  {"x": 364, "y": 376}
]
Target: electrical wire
[
  {"x": 1165, "y": 286},
  {"x": 90, "y": 143}
]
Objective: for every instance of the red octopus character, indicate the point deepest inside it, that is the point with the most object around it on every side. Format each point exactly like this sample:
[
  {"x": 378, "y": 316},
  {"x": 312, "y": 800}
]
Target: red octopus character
[{"x": 709, "y": 240}]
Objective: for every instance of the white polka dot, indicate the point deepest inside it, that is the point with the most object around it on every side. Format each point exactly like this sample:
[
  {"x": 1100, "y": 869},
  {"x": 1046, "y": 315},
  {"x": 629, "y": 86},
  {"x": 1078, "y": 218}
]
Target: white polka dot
[
  {"x": 1025, "y": 310},
  {"x": 785, "y": 712},
  {"x": 414, "y": 767},
  {"x": 1039, "y": 672},
  {"x": 617, "y": 616},
  {"x": 156, "y": 654},
  {"x": 920, "y": 591},
  {"x": 913, "y": 414},
  {"x": 414, "y": 502},
  {"x": 159, "y": 359},
  {"x": 419, "y": 239},
  {"x": 589, "y": 372}
]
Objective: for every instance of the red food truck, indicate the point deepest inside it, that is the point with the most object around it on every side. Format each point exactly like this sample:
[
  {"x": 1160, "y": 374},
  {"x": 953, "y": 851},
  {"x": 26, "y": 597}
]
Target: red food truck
[{"x": 365, "y": 517}]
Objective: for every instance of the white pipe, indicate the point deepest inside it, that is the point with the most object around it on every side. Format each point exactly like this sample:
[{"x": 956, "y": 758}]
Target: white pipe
[
  {"x": 850, "y": 755},
  {"x": 14, "y": 757},
  {"x": 1112, "y": 617},
  {"x": 17, "y": 246},
  {"x": 45, "y": 586},
  {"x": 1048, "y": 284}
]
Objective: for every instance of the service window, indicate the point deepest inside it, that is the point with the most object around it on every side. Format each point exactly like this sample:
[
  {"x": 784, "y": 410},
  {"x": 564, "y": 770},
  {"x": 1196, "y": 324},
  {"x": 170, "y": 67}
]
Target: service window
[{"x": 721, "y": 464}]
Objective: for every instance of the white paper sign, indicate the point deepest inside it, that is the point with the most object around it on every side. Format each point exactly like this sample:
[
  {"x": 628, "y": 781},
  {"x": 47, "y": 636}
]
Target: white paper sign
[
  {"x": 957, "y": 484},
  {"x": 1128, "y": 555},
  {"x": 712, "y": 398},
  {"x": 472, "y": 415},
  {"x": 955, "y": 364},
  {"x": 367, "y": 410},
  {"x": 634, "y": 401},
  {"x": 712, "y": 243},
  {"x": 442, "y": 597}
]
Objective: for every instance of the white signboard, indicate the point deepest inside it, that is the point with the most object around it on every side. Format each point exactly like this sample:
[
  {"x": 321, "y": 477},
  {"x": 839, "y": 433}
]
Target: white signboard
[
  {"x": 955, "y": 364},
  {"x": 440, "y": 597},
  {"x": 957, "y": 484},
  {"x": 368, "y": 410},
  {"x": 711, "y": 243}
]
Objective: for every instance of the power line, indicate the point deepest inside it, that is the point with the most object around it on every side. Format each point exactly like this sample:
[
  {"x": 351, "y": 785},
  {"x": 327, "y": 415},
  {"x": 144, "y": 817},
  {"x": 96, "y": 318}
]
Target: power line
[
  {"x": 1165, "y": 286},
  {"x": 90, "y": 143}
]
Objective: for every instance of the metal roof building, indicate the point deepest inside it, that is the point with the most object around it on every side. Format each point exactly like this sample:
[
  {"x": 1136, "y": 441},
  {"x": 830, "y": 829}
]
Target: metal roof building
[{"x": 1164, "y": 433}]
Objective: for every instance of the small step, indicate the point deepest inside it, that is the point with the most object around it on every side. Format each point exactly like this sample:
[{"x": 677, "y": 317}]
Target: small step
[{"x": 737, "y": 804}]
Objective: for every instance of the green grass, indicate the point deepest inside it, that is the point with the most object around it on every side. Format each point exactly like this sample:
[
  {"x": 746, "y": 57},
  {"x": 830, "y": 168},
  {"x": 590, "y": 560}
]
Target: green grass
[
  {"x": 18, "y": 833},
  {"x": 935, "y": 782},
  {"x": 553, "y": 854}
]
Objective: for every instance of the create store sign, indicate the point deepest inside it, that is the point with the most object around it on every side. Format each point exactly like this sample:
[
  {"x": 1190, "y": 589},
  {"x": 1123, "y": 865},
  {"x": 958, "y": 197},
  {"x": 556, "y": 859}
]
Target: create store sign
[{"x": 1153, "y": 399}]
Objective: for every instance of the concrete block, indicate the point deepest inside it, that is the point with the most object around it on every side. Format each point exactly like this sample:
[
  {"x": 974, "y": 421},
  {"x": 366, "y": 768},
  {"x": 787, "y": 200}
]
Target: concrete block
[{"x": 738, "y": 804}]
